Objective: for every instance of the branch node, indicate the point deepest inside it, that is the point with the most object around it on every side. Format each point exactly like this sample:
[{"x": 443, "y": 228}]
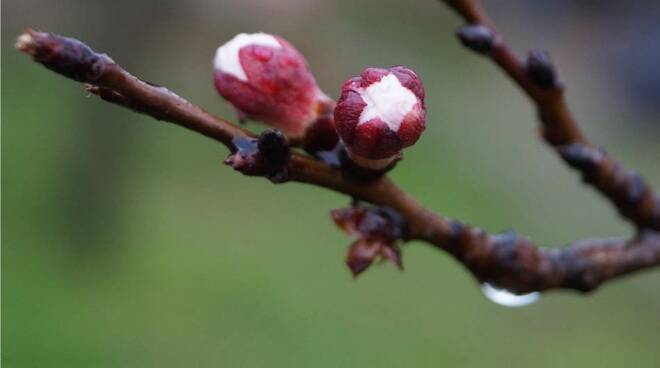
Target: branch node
[
  {"x": 540, "y": 69},
  {"x": 581, "y": 157},
  {"x": 477, "y": 38},
  {"x": 635, "y": 188},
  {"x": 376, "y": 230},
  {"x": 267, "y": 155}
]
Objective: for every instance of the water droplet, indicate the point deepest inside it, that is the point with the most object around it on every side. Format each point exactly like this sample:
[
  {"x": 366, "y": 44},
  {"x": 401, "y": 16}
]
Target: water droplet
[{"x": 508, "y": 299}]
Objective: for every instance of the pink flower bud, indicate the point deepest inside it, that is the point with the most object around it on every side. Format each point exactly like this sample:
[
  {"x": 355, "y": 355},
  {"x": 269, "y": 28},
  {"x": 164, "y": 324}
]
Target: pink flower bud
[
  {"x": 379, "y": 113},
  {"x": 266, "y": 79}
]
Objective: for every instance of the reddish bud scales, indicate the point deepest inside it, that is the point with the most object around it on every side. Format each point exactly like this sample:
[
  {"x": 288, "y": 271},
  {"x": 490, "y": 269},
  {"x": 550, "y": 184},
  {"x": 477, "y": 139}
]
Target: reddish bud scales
[
  {"x": 376, "y": 231},
  {"x": 380, "y": 112},
  {"x": 266, "y": 79}
]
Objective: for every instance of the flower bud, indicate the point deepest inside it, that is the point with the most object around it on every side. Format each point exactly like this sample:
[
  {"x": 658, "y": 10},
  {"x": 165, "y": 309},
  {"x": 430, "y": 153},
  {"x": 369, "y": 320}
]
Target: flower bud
[
  {"x": 266, "y": 79},
  {"x": 540, "y": 69},
  {"x": 380, "y": 112},
  {"x": 476, "y": 37}
]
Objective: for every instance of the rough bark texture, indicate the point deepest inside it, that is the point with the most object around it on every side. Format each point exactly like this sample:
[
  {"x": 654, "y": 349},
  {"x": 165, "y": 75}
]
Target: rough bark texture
[{"x": 505, "y": 260}]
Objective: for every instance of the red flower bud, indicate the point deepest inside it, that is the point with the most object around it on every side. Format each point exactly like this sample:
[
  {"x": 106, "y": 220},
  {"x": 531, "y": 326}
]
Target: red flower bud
[
  {"x": 379, "y": 113},
  {"x": 266, "y": 79}
]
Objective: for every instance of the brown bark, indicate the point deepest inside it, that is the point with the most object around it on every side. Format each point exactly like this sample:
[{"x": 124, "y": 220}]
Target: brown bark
[{"x": 505, "y": 260}]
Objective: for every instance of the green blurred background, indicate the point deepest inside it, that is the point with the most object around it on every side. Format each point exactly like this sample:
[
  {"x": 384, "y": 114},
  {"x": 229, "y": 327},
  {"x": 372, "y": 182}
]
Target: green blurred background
[{"x": 126, "y": 242}]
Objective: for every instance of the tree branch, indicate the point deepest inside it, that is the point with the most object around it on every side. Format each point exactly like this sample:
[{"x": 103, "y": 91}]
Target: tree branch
[
  {"x": 632, "y": 197},
  {"x": 505, "y": 260}
]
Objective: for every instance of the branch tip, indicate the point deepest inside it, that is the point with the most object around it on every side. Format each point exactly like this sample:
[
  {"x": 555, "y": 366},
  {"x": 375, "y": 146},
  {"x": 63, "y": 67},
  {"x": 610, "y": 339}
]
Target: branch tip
[{"x": 25, "y": 42}]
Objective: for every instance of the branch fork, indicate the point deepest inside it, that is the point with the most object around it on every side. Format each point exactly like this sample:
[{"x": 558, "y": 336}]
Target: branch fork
[{"x": 506, "y": 260}]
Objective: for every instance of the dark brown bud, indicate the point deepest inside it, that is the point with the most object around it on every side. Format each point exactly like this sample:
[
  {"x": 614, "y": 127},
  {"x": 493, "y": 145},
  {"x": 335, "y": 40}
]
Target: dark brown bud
[
  {"x": 540, "y": 69},
  {"x": 635, "y": 187},
  {"x": 266, "y": 155},
  {"x": 581, "y": 157},
  {"x": 457, "y": 230},
  {"x": 476, "y": 37},
  {"x": 272, "y": 145},
  {"x": 321, "y": 134},
  {"x": 63, "y": 55},
  {"x": 505, "y": 250}
]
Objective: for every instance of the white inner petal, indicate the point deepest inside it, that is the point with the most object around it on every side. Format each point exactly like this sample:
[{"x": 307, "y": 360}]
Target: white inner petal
[
  {"x": 388, "y": 100},
  {"x": 226, "y": 57}
]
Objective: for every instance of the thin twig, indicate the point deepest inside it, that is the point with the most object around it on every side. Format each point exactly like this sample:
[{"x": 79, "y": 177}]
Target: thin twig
[
  {"x": 505, "y": 260},
  {"x": 633, "y": 198}
]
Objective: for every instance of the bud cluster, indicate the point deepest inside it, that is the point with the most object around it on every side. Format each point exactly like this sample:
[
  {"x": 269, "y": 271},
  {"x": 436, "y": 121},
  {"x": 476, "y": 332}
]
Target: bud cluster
[{"x": 379, "y": 113}]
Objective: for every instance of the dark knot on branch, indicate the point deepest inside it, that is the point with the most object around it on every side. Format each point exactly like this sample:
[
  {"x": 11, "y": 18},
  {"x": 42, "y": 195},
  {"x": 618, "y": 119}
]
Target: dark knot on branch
[
  {"x": 476, "y": 37},
  {"x": 267, "y": 155},
  {"x": 540, "y": 69}
]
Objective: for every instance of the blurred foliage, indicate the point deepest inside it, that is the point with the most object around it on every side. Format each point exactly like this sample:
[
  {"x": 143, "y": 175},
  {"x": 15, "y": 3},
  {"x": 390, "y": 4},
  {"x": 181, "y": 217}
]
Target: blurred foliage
[{"x": 126, "y": 243}]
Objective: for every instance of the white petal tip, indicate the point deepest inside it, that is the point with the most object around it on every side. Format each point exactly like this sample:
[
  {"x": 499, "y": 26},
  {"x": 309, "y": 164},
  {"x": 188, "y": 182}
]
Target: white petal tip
[
  {"x": 388, "y": 100},
  {"x": 227, "y": 56}
]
